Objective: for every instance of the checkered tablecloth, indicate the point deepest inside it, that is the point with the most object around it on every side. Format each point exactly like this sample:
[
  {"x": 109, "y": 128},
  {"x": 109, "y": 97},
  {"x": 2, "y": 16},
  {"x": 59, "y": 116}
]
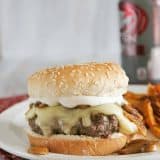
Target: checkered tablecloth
[{"x": 5, "y": 103}]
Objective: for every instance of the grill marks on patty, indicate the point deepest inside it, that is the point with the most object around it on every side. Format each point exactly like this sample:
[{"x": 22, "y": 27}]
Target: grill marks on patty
[{"x": 101, "y": 125}]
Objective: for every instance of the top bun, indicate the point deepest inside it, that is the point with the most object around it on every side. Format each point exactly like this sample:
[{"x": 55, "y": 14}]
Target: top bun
[{"x": 90, "y": 79}]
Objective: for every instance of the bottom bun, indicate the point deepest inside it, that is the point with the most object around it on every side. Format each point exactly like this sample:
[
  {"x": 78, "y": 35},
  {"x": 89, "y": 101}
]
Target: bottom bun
[{"x": 79, "y": 145}]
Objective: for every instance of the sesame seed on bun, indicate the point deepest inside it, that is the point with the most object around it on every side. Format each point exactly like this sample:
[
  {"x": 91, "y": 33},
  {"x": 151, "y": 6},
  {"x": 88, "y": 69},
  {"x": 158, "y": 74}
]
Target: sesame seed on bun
[{"x": 90, "y": 79}]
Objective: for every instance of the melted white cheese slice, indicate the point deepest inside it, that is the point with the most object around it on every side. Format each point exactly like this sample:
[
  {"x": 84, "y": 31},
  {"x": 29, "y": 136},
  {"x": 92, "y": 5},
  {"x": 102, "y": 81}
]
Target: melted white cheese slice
[{"x": 69, "y": 117}]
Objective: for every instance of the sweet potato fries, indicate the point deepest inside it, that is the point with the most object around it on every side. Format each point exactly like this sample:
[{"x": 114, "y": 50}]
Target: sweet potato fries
[{"x": 149, "y": 106}]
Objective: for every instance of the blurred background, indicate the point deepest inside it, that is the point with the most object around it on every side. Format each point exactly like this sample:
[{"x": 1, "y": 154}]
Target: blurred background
[{"x": 39, "y": 33}]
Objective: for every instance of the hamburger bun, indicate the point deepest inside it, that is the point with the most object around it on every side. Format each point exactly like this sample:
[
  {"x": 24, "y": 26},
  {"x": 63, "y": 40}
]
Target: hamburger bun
[
  {"x": 78, "y": 145},
  {"x": 91, "y": 79}
]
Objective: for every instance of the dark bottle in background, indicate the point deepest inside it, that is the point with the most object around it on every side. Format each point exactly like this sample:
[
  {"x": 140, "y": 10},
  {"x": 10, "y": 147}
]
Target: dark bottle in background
[{"x": 136, "y": 37}]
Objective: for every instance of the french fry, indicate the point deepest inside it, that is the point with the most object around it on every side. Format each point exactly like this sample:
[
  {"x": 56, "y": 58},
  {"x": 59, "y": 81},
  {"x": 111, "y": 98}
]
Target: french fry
[
  {"x": 156, "y": 107},
  {"x": 149, "y": 106},
  {"x": 38, "y": 150},
  {"x": 148, "y": 113},
  {"x": 139, "y": 146},
  {"x": 156, "y": 131},
  {"x": 150, "y": 118},
  {"x": 157, "y": 118},
  {"x": 134, "y": 98},
  {"x": 150, "y": 147},
  {"x": 154, "y": 89}
]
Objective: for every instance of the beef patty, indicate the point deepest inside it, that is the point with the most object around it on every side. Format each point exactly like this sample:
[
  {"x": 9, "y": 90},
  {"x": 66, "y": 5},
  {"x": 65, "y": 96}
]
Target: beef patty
[{"x": 101, "y": 126}]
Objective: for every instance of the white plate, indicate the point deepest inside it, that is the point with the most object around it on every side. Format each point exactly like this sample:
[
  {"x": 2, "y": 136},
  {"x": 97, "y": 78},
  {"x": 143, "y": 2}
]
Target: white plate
[{"x": 14, "y": 140}]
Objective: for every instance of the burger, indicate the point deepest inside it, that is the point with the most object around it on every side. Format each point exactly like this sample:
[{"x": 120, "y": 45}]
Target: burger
[{"x": 78, "y": 109}]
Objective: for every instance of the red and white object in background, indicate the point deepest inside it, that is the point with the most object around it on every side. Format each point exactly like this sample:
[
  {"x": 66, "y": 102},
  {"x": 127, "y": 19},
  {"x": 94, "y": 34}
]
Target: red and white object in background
[
  {"x": 136, "y": 37},
  {"x": 134, "y": 23}
]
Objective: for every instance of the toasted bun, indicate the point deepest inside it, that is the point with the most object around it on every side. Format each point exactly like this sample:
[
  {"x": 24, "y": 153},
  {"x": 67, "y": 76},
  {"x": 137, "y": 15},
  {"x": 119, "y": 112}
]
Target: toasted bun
[
  {"x": 78, "y": 145},
  {"x": 92, "y": 79}
]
